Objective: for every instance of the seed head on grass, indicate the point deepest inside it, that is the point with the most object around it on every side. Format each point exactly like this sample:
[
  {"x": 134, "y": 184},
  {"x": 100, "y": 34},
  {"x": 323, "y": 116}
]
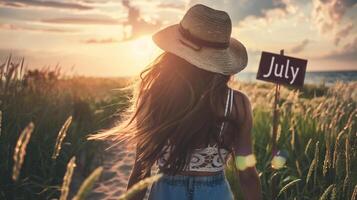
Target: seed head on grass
[
  {"x": 287, "y": 186},
  {"x": 337, "y": 148},
  {"x": 350, "y": 119},
  {"x": 67, "y": 179},
  {"x": 139, "y": 186},
  {"x": 307, "y": 147},
  {"x": 317, "y": 159},
  {"x": 326, "y": 193},
  {"x": 60, "y": 137},
  {"x": 311, "y": 170},
  {"x": 334, "y": 193},
  {"x": 354, "y": 194},
  {"x": 346, "y": 182},
  {"x": 87, "y": 185},
  {"x": 314, "y": 164},
  {"x": 20, "y": 150},
  {"x": 327, "y": 160}
]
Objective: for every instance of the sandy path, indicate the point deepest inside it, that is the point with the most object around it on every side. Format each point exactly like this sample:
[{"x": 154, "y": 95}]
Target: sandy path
[{"x": 117, "y": 165}]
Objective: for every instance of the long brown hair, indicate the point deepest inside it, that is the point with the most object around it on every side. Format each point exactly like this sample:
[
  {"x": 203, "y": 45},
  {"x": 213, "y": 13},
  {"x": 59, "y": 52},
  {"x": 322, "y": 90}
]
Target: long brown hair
[{"x": 175, "y": 103}]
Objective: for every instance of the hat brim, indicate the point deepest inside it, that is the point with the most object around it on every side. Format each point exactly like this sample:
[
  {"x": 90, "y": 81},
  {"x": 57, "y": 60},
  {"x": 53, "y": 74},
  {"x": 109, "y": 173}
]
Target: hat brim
[{"x": 227, "y": 61}]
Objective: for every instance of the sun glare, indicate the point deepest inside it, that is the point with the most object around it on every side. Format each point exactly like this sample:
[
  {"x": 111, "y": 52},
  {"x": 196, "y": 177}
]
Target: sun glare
[
  {"x": 143, "y": 51},
  {"x": 143, "y": 47}
]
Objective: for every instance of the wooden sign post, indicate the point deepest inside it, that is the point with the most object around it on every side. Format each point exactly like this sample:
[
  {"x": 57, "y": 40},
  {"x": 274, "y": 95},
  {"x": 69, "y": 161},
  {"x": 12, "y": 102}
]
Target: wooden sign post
[
  {"x": 285, "y": 70},
  {"x": 280, "y": 69}
]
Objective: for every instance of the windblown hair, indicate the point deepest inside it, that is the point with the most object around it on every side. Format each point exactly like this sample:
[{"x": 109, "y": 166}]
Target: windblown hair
[{"x": 175, "y": 103}]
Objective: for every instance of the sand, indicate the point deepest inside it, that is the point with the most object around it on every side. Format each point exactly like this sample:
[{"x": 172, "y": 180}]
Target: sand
[{"x": 117, "y": 164}]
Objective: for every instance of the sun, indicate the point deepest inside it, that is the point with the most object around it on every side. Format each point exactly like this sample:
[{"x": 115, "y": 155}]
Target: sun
[
  {"x": 144, "y": 48},
  {"x": 143, "y": 51}
]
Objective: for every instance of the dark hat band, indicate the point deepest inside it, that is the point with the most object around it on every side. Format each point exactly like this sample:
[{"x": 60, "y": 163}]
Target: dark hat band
[{"x": 200, "y": 42}]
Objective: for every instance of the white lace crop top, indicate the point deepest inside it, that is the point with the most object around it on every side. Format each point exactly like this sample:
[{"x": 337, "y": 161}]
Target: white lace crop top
[{"x": 210, "y": 158}]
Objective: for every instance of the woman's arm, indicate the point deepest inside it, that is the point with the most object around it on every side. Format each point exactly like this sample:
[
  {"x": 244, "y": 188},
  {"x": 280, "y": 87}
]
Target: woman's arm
[
  {"x": 136, "y": 176},
  {"x": 248, "y": 178}
]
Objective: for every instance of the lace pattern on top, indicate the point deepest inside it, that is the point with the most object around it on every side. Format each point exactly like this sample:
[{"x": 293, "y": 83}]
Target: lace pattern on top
[{"x": 210, "y": 158}]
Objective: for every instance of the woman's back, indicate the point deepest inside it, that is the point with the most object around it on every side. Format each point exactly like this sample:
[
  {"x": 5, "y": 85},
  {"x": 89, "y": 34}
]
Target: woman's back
[
  {"x": 185, "y": 117},
  {"x": 182, "y": 105},
  {"x": 209, "y": 156}
]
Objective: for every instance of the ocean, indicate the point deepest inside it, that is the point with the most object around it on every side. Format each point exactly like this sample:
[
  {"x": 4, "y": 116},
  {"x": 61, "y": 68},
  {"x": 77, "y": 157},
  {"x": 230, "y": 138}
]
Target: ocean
[{"x": 326, "y": 77}]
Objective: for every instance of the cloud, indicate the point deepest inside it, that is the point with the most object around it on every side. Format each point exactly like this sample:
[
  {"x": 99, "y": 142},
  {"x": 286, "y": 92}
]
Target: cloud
[
  {"x": 328, "y": 15},
  {"x": 96, "y": 1},
  {"x": 342, "y": 33},
  {"x": 347, "y": 53},
  {"x": 300, "y": 47},
  {"x": 171, "y": 6},
  {"x": 41, "y": 29},
  {"x": 45, "y": 3},
  {"x": 136, "y": 23},
  {"x": 11, "y": 4},
  {"x": 241, "y": 9},
  {"x": 100, "y": 41},
  {"x": 83, "y": 21}
]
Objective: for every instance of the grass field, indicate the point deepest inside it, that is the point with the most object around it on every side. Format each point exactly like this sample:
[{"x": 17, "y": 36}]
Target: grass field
[{"x": 317, "y": 130}]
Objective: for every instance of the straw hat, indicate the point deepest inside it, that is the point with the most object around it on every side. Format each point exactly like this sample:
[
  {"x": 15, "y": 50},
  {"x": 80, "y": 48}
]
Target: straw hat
[{"x": 203, "y": 38}]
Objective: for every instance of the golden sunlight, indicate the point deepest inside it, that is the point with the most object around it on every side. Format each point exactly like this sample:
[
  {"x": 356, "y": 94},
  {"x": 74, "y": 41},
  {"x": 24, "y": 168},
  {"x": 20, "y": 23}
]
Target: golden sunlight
[{"x": 144, "y": 48}]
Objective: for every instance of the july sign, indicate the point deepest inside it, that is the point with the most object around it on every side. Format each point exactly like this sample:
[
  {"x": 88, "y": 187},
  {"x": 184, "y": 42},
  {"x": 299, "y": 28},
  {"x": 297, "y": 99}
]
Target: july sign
[{"x": 282, "y": 69}]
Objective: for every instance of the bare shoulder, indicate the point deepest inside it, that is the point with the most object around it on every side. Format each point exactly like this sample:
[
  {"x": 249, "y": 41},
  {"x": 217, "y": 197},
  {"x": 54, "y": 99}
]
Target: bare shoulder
[
  {"x": 240, "y": 96},
  {"x": 241, "y": 100}
]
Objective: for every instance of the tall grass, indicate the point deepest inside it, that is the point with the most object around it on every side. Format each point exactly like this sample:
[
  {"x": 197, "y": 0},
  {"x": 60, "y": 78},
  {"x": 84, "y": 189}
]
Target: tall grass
[
  {"x": 60, "y": 137},
  {"x": 20, "y": 150},
  {"x": 317, "y": 129},
  {"x": 47, "y": 98},
  {"x": 88, "y": 183},
  {"x": 67, "y": 178},
  {"x": 139, "y": 186},
  {"x": 319, "y": 135}
]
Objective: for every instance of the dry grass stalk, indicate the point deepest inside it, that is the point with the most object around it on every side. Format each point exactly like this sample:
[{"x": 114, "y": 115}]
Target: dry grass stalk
[
  {"x": 307, "y": 147},
  {"x": 0, "y": 121},
  {"x": 349, "y": 121},
  {"x": 87, "y": 185},
  {"x": 317, "y": 159},
  {"x": 139, "y": 186},
  {"x": 348, "y": 156},
  {"x": 354, "y": 194},
  {"x": 314, "y": 164},
  {"x": 334, "y": 193},
  {"x": 311, "y": 170},
  {"x": 287, "y": 186},
  {"x": 67, "y": 179},
  {"x": 346, "y": 186},
  {"x": 327, "y": 160},
  {"x": 60, "y": 137},
  {"x": 293, "y": 135},
  {"x": 346, "y": 182},
  {"x": 298, "y": 168},
  {"x": 326, "y": 193},
  {"x": 336, "y": 149},
  {"x": 20, "y": 150}
]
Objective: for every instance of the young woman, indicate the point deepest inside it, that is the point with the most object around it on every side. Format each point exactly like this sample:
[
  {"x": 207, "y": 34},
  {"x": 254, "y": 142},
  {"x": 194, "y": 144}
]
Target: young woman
[{"x": 186, "y": 119}]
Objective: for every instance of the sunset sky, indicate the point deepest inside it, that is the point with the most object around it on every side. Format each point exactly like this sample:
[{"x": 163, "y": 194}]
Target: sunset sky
[{"x": 86, "y": 36}]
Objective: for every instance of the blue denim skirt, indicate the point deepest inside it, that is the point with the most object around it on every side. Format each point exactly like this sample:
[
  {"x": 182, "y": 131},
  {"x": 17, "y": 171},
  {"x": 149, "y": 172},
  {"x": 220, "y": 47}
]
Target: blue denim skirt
[{"x": 180, "y": 187}]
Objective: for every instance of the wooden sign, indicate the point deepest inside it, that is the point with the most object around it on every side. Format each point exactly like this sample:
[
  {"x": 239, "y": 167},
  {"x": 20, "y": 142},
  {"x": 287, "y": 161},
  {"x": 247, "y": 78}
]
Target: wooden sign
[{"x": 282, "y": 69}]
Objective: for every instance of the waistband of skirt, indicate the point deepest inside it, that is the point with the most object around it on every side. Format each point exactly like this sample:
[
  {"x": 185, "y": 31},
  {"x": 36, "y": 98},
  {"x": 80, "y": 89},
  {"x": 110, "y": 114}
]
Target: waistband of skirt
[{"x": 217, "y": 178}]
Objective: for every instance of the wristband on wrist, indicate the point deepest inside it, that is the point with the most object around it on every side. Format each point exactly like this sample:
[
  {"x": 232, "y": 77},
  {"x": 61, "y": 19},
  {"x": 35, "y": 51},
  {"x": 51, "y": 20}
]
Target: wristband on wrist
[{"x": 244, "y": 162}]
